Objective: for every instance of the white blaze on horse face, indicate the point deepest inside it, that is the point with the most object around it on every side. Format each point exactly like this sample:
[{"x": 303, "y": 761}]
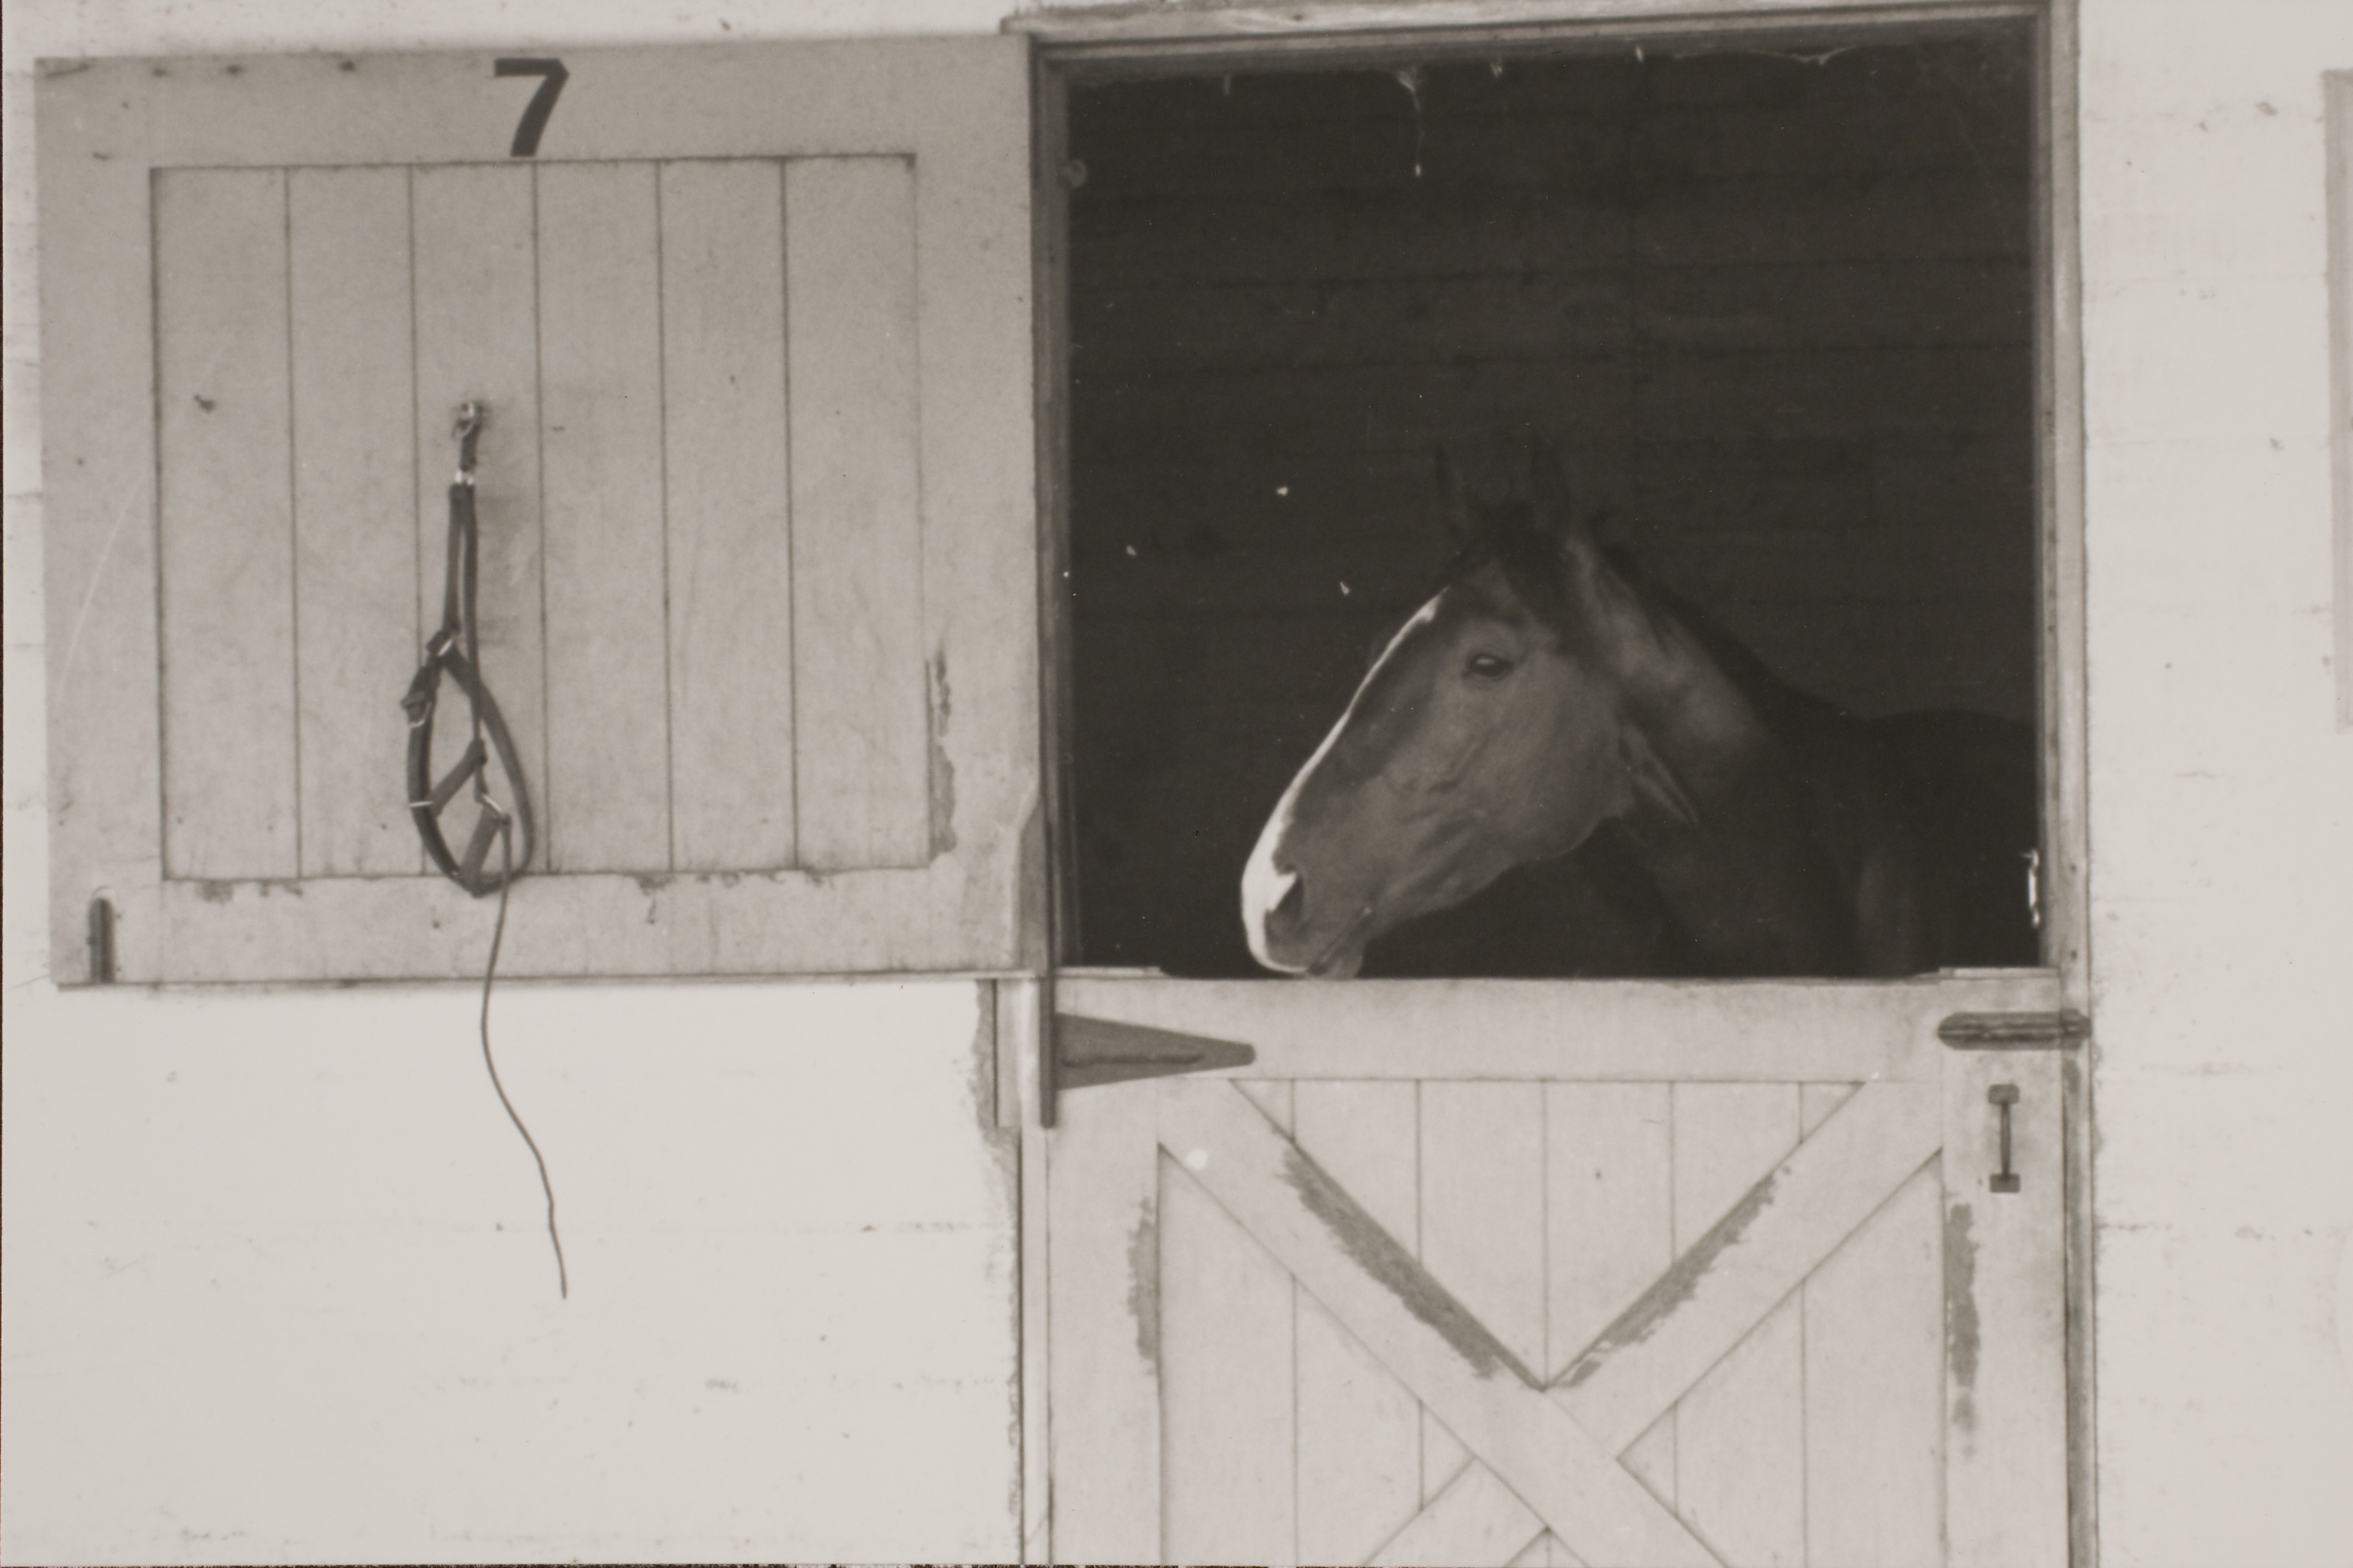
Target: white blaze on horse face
[{"x": 1265, "y": 883}]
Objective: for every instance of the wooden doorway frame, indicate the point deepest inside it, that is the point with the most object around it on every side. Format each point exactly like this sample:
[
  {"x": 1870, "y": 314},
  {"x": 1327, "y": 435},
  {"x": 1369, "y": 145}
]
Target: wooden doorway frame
[{"x": 1116, "y": 40}]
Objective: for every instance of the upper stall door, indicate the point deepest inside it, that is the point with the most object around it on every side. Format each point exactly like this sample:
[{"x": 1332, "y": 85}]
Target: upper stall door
[
  {"x": 752, "y": 326},
  {"x": 1640, "y": 1208}
]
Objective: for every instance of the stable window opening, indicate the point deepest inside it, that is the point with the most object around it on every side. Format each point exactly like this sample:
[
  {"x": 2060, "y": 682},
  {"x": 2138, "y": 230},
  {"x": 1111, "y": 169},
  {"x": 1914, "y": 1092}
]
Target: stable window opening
[{"x": 1701, "y": 377}]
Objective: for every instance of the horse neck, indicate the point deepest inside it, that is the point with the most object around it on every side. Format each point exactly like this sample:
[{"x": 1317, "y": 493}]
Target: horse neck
[{"x": 1730, "y": 846}]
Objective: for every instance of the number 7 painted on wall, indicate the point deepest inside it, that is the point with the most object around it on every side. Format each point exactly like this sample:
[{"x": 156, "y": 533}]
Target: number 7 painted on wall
[{"x": 542, "y": 102}]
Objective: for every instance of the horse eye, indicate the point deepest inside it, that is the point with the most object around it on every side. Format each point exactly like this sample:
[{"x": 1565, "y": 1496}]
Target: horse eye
[{"x": 1487, "y": 664}]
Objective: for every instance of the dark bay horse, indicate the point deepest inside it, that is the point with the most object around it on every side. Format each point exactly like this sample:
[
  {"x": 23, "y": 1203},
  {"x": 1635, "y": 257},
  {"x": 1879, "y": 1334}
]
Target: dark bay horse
[{"x": 1555, "y": 767}]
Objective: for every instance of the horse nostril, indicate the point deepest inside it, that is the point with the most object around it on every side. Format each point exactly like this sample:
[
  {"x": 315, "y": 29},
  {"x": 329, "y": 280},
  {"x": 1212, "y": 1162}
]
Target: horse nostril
[{"x": 1294, "y": 902}]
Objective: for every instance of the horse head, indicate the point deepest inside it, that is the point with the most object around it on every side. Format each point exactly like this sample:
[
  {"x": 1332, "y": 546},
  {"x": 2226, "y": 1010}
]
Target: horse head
[{"x": 1490, "y": 732}]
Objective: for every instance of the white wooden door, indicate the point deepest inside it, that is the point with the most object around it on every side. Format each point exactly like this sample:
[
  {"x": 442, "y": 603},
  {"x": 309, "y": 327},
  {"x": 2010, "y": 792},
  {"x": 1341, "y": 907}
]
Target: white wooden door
[{"x": 1618, "y": 1275}]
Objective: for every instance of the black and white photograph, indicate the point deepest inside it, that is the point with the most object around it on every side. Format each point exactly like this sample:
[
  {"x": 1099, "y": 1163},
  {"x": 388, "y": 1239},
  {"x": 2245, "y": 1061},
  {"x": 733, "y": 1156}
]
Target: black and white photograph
[{"x": 1414, "y": 782}]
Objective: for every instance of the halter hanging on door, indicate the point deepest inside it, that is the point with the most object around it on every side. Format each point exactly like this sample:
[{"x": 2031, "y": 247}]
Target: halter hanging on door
[{"x": 456, "y": 649}]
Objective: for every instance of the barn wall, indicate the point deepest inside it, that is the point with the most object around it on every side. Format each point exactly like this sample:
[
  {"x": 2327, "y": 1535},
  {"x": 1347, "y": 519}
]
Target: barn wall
[
  {"x": 274, "y": 1286},
  {"x": 277, "y": 1284},
  {"x": 2222, "y": 793}
]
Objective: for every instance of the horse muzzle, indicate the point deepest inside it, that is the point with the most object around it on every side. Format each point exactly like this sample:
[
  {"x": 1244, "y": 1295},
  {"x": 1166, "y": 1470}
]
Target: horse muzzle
[
  {"x": 1274, "y": 909},
  {"x": 1275, "y": 914}
]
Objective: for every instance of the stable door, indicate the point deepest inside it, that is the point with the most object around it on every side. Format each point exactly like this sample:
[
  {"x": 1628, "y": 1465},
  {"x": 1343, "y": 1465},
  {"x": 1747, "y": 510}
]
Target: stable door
[{"x": 1628, "y": 1276}]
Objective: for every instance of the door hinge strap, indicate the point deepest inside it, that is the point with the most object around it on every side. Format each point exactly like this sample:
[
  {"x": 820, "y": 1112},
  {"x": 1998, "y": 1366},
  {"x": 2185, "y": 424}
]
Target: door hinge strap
[
  {"x": 1089, "y": 1051},
  {"x": 2063, "y": 1030}
]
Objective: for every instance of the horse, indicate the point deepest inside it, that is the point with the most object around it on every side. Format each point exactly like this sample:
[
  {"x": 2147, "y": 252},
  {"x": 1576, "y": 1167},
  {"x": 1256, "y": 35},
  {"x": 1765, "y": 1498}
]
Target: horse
[{"x": 1556, "y": 767}]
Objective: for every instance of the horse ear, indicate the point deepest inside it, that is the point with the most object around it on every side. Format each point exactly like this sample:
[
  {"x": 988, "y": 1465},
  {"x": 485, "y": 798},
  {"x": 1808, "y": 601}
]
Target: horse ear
[
  {"x": 1556, "y": 508},
  {"x": 1453, "y": 506}
]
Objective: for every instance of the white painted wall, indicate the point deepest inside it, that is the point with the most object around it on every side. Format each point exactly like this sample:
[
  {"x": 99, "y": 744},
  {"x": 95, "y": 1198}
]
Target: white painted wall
[
  {"x": 274, "y": 1284},
  {"x": 2222, "y": 793}
]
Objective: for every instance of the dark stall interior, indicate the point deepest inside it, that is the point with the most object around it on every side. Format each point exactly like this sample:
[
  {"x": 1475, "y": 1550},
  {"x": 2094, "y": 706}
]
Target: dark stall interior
[{"x": 1773, "y": 306}]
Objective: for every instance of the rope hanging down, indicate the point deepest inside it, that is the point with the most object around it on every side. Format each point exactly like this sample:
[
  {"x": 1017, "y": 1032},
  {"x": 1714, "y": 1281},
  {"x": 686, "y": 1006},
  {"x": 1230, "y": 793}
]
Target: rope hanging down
[{"x": 456, "y": 649}]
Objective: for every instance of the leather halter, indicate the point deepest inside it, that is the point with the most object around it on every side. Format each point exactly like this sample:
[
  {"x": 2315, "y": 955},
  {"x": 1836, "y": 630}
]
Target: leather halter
[{"x": 456, "y": 650}]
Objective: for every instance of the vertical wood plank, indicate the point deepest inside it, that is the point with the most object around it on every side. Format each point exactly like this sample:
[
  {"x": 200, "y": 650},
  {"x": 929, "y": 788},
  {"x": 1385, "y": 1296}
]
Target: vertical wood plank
[
  {"x": 100, "y": 548},
  {"x": 1875, "y": 1392},
  {"x": 1360, "y": 1428},
  {"x": 1226, "y": 1384},
  {"x": 1874, "y": 1388},
  {"x": 1740, "y": 1431},
  {"x": 1483, "y": 1230},
  {"x": 600, "y": 355},
  {"x": 231, "y": 780},
  {"x": 1610, "y": 1209},
  {"x": 861, "y": 697},
  {"x": 355, "y": 501},
  {"x": 1609, "y": 1226},
  {"x": 477, "y": 307},
  {"x": 2005, "y": 1316},
  {"x": 730, "y": 544},
  {"x": 2338, "y": 116},
  {"x": 1021, "y": 1041},
  {"x": 1103, "y": 1326}
]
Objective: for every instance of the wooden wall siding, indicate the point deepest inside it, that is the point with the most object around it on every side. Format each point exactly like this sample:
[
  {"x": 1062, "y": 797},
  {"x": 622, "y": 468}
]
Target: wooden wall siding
[
  {"x": 606, "y": 792},
  {"x": 727, "y": 465},
  {"x": 353, "y": 379},
  {"x": 861, "y": 696},
  {"x": 701, "y": 589},
  {"x": 225, "y": 508},
  {"x": 1775, "y": 314},
  {"x": 1546, "y": 1209}
]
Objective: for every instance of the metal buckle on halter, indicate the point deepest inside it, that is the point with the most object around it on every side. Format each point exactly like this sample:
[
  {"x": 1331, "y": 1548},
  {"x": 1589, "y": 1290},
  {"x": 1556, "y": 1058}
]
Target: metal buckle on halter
[
  {"x": 419, "y": 703},
  {"x": 471, "y": 417}
]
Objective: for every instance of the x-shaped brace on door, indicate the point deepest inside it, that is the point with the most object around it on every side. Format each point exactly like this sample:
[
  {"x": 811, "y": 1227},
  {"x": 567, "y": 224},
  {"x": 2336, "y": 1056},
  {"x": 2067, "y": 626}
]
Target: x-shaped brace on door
[{"x": 1548, "y": 1457}]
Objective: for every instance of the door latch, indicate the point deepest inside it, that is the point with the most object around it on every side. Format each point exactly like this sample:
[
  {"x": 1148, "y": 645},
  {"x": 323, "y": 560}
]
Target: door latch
[
  {"x": 2004, "y": 1096},
  {"x": 2060, "y": 1031}
]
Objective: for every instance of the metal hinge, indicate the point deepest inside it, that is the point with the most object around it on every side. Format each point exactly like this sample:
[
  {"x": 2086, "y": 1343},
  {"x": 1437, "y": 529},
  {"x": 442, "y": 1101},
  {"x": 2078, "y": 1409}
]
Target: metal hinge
[
  {"x": 1090, "y": 1051},
  {"x": 2060, "y": 1031}
]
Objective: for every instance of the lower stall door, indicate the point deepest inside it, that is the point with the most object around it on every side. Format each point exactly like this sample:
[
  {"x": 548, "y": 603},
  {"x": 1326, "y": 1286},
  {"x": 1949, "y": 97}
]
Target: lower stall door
[{"x": 1619, "y": 1276}]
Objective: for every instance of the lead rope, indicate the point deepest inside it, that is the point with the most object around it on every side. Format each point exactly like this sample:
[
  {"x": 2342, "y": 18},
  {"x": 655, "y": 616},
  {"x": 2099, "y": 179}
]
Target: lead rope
[
  {"x": 456, "y": 650},
  {"x": 498, "y": 935}
]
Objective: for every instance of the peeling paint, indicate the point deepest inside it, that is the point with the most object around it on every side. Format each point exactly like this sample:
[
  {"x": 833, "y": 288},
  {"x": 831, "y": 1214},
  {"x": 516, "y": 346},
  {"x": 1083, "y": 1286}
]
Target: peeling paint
[
  {"x": 1143, "y": 1284},
  {"x": 1378, "y": 1254},
  {"x": 1677, "y": 1285},
  {"x": 943, "y": 838},
  {"x": 1961, "y": 1313}
]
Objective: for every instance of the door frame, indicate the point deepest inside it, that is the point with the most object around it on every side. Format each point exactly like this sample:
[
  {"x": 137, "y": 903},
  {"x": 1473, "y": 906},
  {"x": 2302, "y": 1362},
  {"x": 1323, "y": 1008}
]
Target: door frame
[{"x": 1091, "y": 42}]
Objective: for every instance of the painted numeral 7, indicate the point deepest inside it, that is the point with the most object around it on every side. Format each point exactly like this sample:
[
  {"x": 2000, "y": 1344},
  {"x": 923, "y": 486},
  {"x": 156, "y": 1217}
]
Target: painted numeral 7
[{"x": 542, "y": 104}]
